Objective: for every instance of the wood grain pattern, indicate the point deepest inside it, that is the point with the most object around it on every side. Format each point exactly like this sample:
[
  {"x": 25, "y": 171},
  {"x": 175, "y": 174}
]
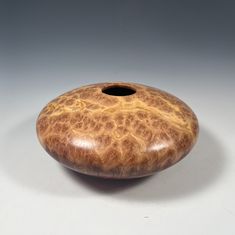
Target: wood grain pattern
[{"x": 117, "y": 136}]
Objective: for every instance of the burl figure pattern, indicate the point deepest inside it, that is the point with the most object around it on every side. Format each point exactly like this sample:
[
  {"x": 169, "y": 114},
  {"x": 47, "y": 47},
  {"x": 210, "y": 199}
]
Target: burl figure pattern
[{"x": 104, "y": 131}]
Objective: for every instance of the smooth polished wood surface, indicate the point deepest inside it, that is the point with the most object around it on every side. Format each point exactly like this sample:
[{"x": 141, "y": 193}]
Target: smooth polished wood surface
[{"x": 120, "y": 135}]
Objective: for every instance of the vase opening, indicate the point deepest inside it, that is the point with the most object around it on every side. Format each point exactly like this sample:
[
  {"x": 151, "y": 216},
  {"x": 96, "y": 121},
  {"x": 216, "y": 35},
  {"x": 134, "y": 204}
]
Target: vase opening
[{"x": 118, "y": 90}]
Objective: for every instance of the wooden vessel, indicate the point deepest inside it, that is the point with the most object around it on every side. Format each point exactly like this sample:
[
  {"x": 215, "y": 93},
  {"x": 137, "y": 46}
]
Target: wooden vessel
[{"x": 117, "y": 130}]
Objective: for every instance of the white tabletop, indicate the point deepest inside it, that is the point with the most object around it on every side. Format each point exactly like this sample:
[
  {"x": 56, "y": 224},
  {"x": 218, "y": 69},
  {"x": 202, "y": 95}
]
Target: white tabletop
[{"x": 195, "y": 196}]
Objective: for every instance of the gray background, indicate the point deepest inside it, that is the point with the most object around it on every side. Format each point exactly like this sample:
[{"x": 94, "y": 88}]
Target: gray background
[{"x": 184, "y": 47}]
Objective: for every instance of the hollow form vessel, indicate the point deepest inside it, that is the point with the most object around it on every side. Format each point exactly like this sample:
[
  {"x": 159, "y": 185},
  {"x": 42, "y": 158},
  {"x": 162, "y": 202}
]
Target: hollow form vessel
[{"x": 117, "y": 130}]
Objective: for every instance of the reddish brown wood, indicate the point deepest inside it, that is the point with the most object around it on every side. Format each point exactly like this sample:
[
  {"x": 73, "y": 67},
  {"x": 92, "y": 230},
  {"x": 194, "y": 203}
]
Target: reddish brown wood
[{"x": 124, "y": 136}]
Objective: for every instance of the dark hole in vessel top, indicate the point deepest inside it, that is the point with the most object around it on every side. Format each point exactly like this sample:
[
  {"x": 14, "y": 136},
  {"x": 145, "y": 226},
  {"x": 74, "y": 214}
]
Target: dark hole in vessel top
[{"x": 118, "y": 90}]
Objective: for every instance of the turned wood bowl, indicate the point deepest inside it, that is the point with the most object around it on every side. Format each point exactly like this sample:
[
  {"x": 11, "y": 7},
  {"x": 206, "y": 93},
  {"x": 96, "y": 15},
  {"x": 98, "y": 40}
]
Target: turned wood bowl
[{"x": 117, "y": 130}]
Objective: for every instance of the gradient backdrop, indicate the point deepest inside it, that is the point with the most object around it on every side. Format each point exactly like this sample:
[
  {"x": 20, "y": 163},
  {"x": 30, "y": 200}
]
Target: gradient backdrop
[{"x": 184, "y": 47}]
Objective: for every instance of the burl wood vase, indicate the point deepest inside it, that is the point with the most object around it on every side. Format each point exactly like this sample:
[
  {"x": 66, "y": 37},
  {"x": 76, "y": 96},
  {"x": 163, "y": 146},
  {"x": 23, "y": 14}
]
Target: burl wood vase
[{"x": 117, "y": 130}]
